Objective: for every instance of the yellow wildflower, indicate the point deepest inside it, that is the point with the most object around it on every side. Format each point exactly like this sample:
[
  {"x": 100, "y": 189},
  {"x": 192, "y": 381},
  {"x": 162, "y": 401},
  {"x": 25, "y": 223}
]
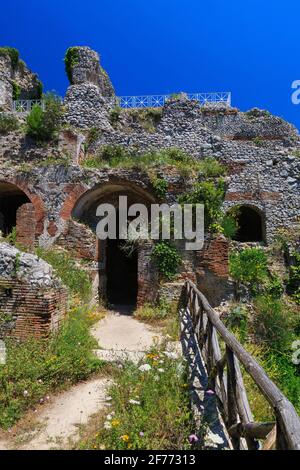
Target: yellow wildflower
[
  {"x": 115, "y": 422},
  {"x": 125, "y": 438}
]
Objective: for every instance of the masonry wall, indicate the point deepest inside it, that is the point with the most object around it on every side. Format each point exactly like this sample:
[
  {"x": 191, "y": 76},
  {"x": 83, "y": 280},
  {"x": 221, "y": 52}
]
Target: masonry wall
[{"x": 30, "y": 311}]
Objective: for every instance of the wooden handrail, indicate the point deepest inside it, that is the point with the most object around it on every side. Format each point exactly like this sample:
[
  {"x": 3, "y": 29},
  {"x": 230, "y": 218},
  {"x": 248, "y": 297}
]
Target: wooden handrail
[{"x": 233, "y": 392}]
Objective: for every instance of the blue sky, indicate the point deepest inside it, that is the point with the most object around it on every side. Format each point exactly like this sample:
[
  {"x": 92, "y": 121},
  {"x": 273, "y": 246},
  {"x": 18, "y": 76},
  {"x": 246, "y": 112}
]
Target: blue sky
[{"x": 248, "y": 47}]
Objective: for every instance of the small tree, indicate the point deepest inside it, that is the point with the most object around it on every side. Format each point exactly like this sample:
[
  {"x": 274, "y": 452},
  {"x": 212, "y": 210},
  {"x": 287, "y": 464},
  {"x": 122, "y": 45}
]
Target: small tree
[{"x": 43, "y": 124}]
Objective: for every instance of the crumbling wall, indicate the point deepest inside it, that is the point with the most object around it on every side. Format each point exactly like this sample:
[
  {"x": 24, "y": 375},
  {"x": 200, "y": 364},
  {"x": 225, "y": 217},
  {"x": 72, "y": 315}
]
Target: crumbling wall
[{"x": 32, "y": 299}]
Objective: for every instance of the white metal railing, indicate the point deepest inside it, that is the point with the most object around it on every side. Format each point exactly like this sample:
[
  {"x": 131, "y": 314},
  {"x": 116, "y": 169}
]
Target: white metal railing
[
  {"x": 157, "y": 101},
  {"x": 25, "y": 106},
  {"x": 144, "y": 101}
]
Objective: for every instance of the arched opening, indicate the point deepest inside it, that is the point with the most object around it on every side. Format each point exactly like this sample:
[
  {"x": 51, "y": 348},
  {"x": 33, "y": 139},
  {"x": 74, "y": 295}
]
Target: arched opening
[
  {"x": 250, "y": 223},
  {"x": 118, "y": 268},
  {"x": 11, "y": 198}
]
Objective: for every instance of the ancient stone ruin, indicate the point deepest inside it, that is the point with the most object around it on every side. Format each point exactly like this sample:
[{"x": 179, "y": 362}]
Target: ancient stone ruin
[{"x": 50, "y": 193}]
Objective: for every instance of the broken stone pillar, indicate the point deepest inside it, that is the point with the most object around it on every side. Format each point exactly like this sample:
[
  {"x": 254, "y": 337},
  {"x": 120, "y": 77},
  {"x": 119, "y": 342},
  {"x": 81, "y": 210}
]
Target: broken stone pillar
[{"x": 91, "y": 96}]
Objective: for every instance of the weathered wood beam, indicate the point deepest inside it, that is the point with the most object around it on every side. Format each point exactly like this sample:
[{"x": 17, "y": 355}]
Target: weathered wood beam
[{"x": 251, "y": 430}]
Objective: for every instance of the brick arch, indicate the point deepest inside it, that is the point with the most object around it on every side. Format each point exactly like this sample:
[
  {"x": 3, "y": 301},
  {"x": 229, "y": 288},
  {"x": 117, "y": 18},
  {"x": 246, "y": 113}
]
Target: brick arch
[
  {"x": 77, "y": 191},
  {"x": 36, "y": 201}
]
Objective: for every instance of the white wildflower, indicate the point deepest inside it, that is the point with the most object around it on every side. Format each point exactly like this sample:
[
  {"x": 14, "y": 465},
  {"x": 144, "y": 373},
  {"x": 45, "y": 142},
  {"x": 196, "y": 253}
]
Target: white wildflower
[
  {"x": 161, "y": 370},
  {"x": 107, "y": 425},
  {"x": 145, "y": 368},
  {"x": 134, "y": 402},
  {"x": 170, "y": 355}
]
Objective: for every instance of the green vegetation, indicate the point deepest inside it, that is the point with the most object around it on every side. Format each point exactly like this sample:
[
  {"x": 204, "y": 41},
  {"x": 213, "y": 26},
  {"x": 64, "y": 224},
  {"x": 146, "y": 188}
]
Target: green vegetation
[
  {"x": 149, "y": 407},
  {"x": 147, "y": 118},
  {"x": 257, "y": 113},
  {"x": 250, "y": 266},
  {"x": 294, "y": 279},
  {"x": 16, "y": 91},
  {"x": 164, "y": 314},
  {"x": 36, "y": 368},
  {"x": 39, "y": 90},
  {"x": 72, "y": 275},
  {"x": 43, "y": 124},
  {"x": 114, "y": 115},
  {"x": 71, "y": 59},
  {"x": 166, "y": 258},
  {"x": 12, "y": 53},
  {"x": 115, "y": 156},
  {"x": 211, "y": 168},
  {"x": 266, "y": 328},
  {"x": 160, "y": 186},
  {"x": 258, "y": 141},
  {"x": 8, "y": 123},
  {"x": 211, "y": 195}
]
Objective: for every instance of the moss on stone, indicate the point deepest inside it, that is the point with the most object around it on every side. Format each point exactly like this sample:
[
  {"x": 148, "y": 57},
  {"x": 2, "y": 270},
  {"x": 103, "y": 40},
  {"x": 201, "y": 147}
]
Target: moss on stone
[
  {"x": 71, "y": 59},
  {"x": 12, "y": 53}
]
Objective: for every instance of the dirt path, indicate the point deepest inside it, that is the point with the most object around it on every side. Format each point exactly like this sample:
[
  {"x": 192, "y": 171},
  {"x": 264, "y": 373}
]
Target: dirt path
[
  {"x": 124, "y": 333},
  {"x": 57, "y": 425}
]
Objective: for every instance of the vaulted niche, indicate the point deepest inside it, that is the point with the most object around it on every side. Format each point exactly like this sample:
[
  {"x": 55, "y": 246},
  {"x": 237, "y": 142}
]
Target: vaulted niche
[
  {"x": 251, "y": 225},
  {"x": 119, "y": 271},
  {"x": 11, "y": 198}
]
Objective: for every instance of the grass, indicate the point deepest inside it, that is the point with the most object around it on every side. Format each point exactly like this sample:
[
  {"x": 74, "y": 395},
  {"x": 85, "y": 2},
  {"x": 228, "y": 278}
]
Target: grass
[
  {"x": 164, "y": 315},
  {"x": 73, "y": 276},
  {"x": 267, "y": 333},
  {"x": 149, "y": 409},
  {"x": 36, "y": 368},
  {"x": 114, "y": 156}
]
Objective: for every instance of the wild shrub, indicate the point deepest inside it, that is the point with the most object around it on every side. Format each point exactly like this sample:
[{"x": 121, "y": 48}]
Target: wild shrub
[
  {"x": 211, "y": 168},
  {"x": 72, "y": 275},
  {"x": 249, "y": 266},
  {"x": 229, "y": 226},
  {"x": 8, "y": 123},
  {"x": 43, "y": 124},
  {"x": 160, "y": 186},
  {"x": 211, "y": 195},
  {"x": 273, "y": 323},
  {"x": 36, "y": 368},
  {"x": 167, "y": 259}
]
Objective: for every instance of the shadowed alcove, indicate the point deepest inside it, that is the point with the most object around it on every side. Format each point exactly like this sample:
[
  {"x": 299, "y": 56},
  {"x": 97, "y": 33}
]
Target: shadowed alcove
[
  {"x": 251, "y": 225},
  {"x": 11, "y": 198},
  {"x": 119, "y": 271}
]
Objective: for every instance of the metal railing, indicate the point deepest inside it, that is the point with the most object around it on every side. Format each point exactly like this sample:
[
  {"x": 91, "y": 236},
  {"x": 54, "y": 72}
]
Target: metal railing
[
  {"x": 157, "y": 101},
  {"x": 25, "y": 106},
  {"x": 144, "y": 101}
]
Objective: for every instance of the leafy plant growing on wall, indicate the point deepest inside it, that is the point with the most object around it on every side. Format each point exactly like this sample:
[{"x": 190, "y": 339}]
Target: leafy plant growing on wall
[
  {"x": 160, "y": 186},
  {"x": 166, "y": 258},
  {"x": 211, "y": 195}
]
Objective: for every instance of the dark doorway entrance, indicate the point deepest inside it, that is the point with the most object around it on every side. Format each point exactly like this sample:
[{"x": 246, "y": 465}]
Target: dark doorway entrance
[
  {"x": 122, "y": 274},
  {"x": 11, "y": 198},
  {"x": 250, "y": 225}
]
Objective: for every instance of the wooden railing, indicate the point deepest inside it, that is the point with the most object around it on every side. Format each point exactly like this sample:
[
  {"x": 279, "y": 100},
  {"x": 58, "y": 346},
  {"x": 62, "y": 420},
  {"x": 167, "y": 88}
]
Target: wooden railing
[{"x": 225, "y": 378}]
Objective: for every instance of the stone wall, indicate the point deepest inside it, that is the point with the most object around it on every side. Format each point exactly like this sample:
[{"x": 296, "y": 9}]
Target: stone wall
[
  {"x": 17, "y": 76},
  {"x": 32, "y": 300}
]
